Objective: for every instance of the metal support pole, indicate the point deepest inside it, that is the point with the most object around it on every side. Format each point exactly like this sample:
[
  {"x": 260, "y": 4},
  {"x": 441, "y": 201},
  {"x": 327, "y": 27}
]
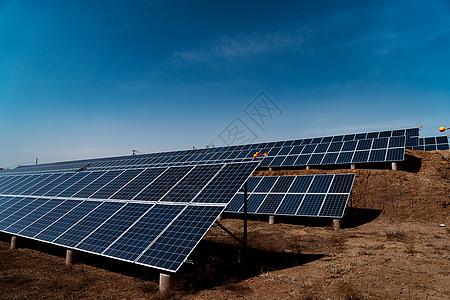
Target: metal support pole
[
  {"x": 245, "y": 214},
  {"x": 230, "y": 233}
]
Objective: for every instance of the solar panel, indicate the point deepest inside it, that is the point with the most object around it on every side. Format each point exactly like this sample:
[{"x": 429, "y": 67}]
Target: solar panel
[
  {"x": 432, "y": 143},
  {"x": 298, "y": 195},
  {"x": 327, "y": 150},
  {"x": 108, "y": 232},
  {"x": 188, "y": 229},
  {"x": 149, "y": 216},
  {"x": 33, "y": 214},
  {"x": 141, "y": 234}
]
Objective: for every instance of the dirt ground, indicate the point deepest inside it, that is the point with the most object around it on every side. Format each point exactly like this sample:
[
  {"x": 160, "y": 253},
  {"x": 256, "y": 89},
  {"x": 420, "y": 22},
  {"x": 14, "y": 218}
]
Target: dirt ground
[{"x": 393, "y": 246}]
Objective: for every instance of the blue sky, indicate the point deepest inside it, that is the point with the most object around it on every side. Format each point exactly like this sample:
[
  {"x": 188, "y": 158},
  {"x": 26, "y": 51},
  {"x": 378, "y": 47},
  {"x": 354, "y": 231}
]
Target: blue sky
[{"x": 82, "y": 79}]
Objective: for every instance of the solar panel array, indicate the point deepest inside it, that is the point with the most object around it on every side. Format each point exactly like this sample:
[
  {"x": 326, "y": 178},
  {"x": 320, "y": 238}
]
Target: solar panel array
[
  {"x": 152, "y": 216},
  {"x": 432, "y": 143},
  {"x": 300, "y": 195},
  {"x": 379, "y": 146}
]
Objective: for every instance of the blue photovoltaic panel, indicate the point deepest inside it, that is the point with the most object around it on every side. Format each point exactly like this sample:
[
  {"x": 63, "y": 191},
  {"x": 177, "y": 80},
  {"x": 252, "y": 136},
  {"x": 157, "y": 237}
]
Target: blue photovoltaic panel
[
  {"x": 157, "y": 189},
  {"x": 334, "y": 206},
  {"x": 52, "y": 232},
  {"x": 81, "y": 184},
  {"x": 117, "y": 230},
  {"x": 224, "y": 185},
  {"x": 30, "y": 205},
  {"x": 316, "y": 159},
  {"x": 14, "y": 185},
  {"x": 396, "y": 154},
  {"x": 341, "y": 183},
  {"x": 277, "y": 151},
  {"x": 345, "y": 157},
  {"x": 6, "y": 202},
  {"x": 266, "y": 184},
  {"x": 311, "y": 205},
  {"x": 282, "y": 185},
  {"x": 432, "y": 143},
  {"x": 116, "y": 184},
  {"x": 57, "y": 189},
  {"x": 289, "y": 160},
  {"x": 330, "y": 158},
  {"x": 236, "y": 203},
  {"x": 51, "y": 183},
  {"x": 13, "y": 206},
  {"x": 380, "y": 143},
  {"x": 96, "y": 185},
  {"x": 137, "y": 184},
  {"x": 254, "y": 201},
  {"x": 44, "y": 180},
  {"x": 136, "y": 239},
  {"x": 106, "y": 234},
  {"x": 88, "y": 223},
  {"x": 49, "y": 218},
  {"x": 270, "y": 204},
  {"x": 298, "y": 195},
  {"x": 361, "y": 156},
  {"x": 188, "y": 229},
  {"x": 192, "y": 184},
  {"x": 377, "y": 155},
  {"x": 252, "y": 183},
  {"x": 320, "y": 184},
  {"x": 32, "y": 180},
  {"x": 33, "y": 216},
  {"x": 301, "y": 184},
  {"x": 290, "y": 204}
]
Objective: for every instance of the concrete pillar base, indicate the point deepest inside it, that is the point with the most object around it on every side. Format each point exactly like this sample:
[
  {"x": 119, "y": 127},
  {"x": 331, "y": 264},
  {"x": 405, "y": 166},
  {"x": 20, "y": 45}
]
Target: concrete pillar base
[
  {"x": 69, "y": 257},
  {"x": 270, "y": 169},
  {"x": 337, "y": 224},
  {"x": 394, "y": 166},
  {"x": 353, "y": 166},
  {"x": 271, "y": 219},
  {"x": 308, "y": 168},
  {"x": 164, "y": 282},
  {"x": 14, "y": 242}
]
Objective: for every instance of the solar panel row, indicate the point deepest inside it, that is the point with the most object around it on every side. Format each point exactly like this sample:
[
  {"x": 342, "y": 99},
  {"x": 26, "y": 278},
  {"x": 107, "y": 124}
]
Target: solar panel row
[
  {"x": 340, "y": 149},
  {"x": 360, "y": 151},
  {"x": 432, "y": 143},
  {"x": 157, "y": 235},
  {"x": 305, "y": 195},
  {"x": 149, "y": 216},
  {"x": 204, "y": 183}
]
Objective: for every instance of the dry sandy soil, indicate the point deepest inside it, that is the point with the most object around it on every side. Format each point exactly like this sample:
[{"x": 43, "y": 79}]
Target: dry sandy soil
[{"x": 393, "y": 246}]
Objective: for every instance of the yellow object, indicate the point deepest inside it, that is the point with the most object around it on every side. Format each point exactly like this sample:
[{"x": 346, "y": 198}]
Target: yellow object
[{"x": 441, "y": 129}]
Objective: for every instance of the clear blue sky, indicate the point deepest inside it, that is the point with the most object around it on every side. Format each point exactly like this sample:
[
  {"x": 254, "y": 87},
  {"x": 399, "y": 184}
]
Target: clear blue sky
[{"x": 88, "y": 78}]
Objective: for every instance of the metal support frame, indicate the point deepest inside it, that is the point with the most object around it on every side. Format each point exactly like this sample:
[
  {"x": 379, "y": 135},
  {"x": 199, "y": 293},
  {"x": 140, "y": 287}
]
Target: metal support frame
[
  {"x": 243, "y": 242},
  {"x": 245, "y": 214}
]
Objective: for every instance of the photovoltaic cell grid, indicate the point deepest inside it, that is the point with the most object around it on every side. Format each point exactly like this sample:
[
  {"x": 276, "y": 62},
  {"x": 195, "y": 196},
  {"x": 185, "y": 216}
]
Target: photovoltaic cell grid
[
  {"x": 341, "y": 149},
  {"x": 432, "y": 143},
  {"x": 300, "y": 195},
  {"x": 101, "y": 212}
]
